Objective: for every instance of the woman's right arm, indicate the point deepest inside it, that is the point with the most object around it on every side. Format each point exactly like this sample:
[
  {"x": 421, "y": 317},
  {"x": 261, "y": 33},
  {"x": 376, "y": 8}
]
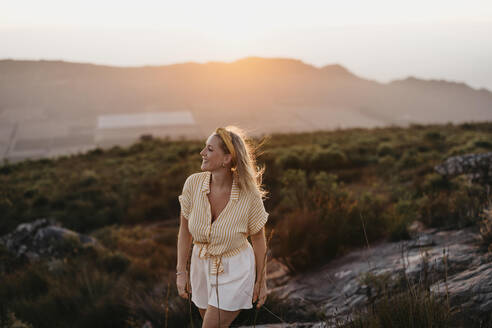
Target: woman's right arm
[{"x": 184, "y": 246}]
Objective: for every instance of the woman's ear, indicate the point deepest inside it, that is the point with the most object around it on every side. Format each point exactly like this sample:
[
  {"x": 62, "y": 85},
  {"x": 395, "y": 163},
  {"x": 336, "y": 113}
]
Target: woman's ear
[{"x": 228, "y": 159}]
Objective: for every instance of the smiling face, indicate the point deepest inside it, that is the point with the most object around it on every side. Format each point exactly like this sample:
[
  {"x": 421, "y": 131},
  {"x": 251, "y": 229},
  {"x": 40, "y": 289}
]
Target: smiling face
[{"x": 213, "y": 156}]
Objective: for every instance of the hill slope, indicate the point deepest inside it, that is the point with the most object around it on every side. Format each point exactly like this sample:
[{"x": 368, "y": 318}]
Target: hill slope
[{"x": 49, "y": 107}]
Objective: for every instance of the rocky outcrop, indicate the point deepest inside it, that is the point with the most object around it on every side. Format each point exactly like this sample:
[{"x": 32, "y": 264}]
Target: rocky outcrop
[
  {"x": 478, "y": 167},
  {"x": 470, "y": 290},
  {"x": 343, "y": 285},
  {"x": 43, "y": 238}
]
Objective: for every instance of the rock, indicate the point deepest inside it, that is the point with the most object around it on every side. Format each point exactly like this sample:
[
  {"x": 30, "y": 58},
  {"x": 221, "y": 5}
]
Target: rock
[
  {"x": 341, "y": 286},
  {"x": 147, "y": 324},
  {"x": 478, "y": 167},
  {"x": 277, "y": 274},
  {"x": 292, "y": 325},
  {"x": 42, "y": 238},
  {"x": 470, "y": 290},
  {"x": 416, "y": 228}
]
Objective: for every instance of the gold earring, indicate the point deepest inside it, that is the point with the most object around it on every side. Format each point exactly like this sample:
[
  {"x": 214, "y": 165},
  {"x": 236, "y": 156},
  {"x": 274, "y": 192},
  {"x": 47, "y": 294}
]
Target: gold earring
[{"x": 223, "y": 165}]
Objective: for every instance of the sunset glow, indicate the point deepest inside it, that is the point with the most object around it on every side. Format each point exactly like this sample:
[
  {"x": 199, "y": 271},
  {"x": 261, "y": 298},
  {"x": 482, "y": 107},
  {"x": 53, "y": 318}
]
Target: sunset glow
[{"x": 437, "y": 39}]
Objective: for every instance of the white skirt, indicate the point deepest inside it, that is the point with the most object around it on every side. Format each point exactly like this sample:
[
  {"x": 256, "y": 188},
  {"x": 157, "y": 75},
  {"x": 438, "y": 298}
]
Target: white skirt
[{"x": 235, "y": 284}]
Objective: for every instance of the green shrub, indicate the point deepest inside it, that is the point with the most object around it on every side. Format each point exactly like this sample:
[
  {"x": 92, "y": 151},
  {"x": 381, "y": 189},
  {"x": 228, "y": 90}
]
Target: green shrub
[
  {"x": 433, "y": 136},
  {"x": 88, "y": 177},
  {"x": 434, "y": 182},
  {"x": 455, "y": 208},
  {"x": 386, "y": 165},
  {"x": 335, "y": 223},
  {"x": 404, "y": 212},
  {"x": 325, "y": 159},
  {"x": 409, "y": 159},
  {"x": 289, "y": 160},
  {"x": 482, "y": 143},
  {"x": 294, "y": 188},
  {"x": 357, "y": 154},
  {"x": 386, "y": 149},
  {"x": 325, "y": 183},
  {"x": 81, "y": 296}
]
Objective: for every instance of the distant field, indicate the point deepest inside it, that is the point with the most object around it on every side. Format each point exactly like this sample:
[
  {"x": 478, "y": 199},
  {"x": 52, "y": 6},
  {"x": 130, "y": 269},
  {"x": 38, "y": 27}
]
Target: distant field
[
  {"x": 48, "y": 138},
  {"x": 144, "y": 119},
  {"x": 51, "y": 137}
]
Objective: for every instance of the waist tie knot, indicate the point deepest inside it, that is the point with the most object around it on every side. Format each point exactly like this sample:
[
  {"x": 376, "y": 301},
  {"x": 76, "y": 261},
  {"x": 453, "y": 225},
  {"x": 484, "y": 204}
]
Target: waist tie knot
[{"x": 216, "y": 260}]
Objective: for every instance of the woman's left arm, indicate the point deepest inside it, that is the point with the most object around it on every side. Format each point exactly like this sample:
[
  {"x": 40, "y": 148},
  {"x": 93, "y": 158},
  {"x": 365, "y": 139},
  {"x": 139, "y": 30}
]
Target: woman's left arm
[{"x": 258, "y": 242}]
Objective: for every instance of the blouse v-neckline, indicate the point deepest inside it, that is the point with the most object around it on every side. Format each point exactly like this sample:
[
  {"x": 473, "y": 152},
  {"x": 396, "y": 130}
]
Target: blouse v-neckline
[
  {"x": 210, "y": 210},
  {"x": 233, "y": 195}
]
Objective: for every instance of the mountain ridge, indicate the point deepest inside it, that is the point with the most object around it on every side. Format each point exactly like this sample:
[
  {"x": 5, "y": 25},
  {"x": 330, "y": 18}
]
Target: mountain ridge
[
  {"x": 42, "y": 100},
  {"x": 335, "y": 69}
]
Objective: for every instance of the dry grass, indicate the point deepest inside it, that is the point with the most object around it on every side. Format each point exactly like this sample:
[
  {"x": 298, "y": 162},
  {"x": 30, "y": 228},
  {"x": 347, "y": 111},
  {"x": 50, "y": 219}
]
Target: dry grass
[{"x": 486, "y": 227}]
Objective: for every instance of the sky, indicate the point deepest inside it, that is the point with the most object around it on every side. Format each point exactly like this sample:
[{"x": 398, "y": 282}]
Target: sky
[{"x": 381, "y": 40}]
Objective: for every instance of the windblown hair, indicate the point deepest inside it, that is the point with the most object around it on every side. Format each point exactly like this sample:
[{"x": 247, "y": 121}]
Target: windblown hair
[{"x": 247, "y": 173}]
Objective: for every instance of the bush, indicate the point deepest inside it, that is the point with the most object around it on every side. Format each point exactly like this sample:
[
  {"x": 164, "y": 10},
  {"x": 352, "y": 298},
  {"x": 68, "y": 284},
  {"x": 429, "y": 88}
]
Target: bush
[
  {"x": 289, "y": 160},
  {"x": 334, "y": 221},
  {"x": 386, "y": 165},
  {"x": 69, "y": 244},
  {"x": 433, "y": 136},
  {"x": 434, "y": 182},
  {"x": 404, "y": 212},
  {"x": 294, "y": 197},
  {"x": 409, "y": 160},
  {"x": 481, "y": 142},
  {"x": 413, "y": 308},
  {"x": 326, "y": 159},
  {"x": 325, "y": 183},
  {"x": 403, "y": 301},
  {"x": 386, "y": 149},
  {"x": 79, "y": 297},
  {"x": 115, "y": 262},
  {"x": 296, "y": 251},
  {"x": 457, "y": 208},
  {"x": 486, "y": 228}
]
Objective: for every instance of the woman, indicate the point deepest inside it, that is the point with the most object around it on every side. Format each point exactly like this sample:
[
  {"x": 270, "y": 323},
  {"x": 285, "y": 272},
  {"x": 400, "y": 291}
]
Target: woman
[{"x": 220, "y": 208}]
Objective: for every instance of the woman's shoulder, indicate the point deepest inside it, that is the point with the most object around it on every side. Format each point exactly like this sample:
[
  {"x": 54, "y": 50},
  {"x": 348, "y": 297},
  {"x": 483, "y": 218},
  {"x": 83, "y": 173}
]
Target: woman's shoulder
[
  {"x": 251, "y": 195},
  {"x": 196, "y": 178},
  {"x": 198, "y": 175}
]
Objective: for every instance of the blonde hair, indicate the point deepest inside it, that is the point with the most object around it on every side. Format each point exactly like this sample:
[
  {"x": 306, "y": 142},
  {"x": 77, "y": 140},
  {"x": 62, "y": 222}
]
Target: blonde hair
[{"x": 244, "y": 168}]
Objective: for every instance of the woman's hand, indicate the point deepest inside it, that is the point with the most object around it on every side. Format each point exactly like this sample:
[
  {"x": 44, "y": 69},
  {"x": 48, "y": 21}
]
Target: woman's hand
[
  {"x": 184, "y": 247},
  {"x": 183, "y": 286},
  {"x": 260, "y": 292}
]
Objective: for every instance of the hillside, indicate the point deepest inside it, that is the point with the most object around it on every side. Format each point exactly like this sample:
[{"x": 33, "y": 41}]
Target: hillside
[
  {"x": 359, "y": 194},
  {"x": 55, "y": 107}
]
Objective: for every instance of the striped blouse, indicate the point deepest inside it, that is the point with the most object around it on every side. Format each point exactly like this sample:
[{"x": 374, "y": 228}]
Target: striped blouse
[{"x": 243, "y": 215}]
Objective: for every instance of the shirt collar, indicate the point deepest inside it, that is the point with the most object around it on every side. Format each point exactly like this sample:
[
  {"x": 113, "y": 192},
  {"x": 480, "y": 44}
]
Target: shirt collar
[{"x": 234, "y": 190}]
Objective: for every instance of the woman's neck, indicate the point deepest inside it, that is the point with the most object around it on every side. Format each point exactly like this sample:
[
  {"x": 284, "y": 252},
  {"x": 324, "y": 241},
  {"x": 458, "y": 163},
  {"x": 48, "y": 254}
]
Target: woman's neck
[{"x": 221, "y": 179}]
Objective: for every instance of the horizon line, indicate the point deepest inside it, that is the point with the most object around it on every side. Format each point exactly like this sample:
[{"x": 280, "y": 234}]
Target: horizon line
[{"x": 244, "y": 58}]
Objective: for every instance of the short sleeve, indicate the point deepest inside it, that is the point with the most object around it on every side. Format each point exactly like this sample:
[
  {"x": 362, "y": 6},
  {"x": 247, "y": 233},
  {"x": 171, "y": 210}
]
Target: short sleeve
[
  {"x": 185, "y": 198},
  {"x": 257, "y": 215}
]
